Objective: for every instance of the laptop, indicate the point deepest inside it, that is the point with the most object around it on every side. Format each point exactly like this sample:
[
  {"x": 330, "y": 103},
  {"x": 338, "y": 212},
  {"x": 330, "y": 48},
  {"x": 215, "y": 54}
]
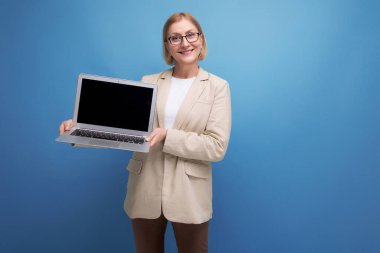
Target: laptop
[{"x": 112, "y": 113}]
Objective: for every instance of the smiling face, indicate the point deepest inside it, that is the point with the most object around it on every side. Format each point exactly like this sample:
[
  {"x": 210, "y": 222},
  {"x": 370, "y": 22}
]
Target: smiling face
[{"x": 184, "y": 53}]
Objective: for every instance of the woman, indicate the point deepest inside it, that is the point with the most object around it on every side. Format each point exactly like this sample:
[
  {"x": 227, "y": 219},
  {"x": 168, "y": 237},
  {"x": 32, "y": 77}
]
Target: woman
[{"x": 173, "y": 182}]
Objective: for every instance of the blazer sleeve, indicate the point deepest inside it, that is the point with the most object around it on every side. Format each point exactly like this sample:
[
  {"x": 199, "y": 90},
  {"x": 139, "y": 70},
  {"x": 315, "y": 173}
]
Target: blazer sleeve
[
  {"x": 211, "y": 145},
  {"x": 150, "y": 78}
]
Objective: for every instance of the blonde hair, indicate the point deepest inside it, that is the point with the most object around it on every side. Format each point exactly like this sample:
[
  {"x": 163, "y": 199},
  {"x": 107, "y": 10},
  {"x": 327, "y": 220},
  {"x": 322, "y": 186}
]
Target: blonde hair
[{"x": 175, "y": 18}]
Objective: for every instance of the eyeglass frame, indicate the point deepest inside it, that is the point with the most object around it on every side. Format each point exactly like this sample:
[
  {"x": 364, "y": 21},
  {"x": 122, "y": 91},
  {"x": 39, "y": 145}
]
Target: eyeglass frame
[{"x": 184, "y": 36}]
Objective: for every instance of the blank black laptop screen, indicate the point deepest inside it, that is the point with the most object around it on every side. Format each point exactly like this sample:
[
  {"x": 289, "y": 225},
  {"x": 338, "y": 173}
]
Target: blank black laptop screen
[{"x": 115, "y": 105}]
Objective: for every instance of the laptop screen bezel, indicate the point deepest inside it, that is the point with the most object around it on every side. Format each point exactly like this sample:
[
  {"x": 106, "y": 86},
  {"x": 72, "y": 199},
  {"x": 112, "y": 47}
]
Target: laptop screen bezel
[{"x": 116, "y": 81}]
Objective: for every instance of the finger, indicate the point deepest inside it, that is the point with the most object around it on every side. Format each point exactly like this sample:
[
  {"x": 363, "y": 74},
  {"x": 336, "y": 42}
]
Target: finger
[
  {"x": 61, "y": 129},
  {"x": 153, "y": 142},
  {"x": 68, "y": 125},
  {"x": 152, "y": 139},
  {"x": 151, "y": 136}
]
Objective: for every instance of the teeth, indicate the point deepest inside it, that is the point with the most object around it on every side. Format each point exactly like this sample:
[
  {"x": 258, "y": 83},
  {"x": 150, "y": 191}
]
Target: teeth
[{"x": 185, "y": 52}]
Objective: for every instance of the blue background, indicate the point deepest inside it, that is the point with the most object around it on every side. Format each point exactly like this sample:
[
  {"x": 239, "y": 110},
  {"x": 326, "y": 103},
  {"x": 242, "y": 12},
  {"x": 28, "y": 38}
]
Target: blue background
[{"x": 302, "y": 169}]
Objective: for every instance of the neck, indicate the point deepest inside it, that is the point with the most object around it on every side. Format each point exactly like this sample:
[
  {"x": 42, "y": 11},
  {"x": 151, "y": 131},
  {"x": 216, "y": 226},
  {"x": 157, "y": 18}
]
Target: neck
[{"x": 185, "y": 71}]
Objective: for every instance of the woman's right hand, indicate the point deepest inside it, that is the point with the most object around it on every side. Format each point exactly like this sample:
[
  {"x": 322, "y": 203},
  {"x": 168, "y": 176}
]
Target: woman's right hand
[{"x": 65, "y": 126}]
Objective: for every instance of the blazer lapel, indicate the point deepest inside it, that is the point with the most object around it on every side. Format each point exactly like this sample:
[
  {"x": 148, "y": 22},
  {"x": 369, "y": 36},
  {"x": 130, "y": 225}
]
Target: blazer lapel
[
  {"x": 193, "y": 94},
  {"x": 163, "y": 91}
]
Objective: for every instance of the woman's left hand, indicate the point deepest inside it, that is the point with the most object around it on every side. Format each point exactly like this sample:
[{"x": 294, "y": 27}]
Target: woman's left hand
[{"x": 158, "y": 135}]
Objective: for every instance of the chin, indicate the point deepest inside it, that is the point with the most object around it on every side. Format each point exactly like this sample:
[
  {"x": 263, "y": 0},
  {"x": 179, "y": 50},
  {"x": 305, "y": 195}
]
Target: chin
[{"x": 187, "y": 61}]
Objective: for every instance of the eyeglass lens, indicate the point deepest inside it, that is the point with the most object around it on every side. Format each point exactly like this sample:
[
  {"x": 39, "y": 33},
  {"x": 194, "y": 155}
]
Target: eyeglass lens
[{"x": 177, "y": 39}]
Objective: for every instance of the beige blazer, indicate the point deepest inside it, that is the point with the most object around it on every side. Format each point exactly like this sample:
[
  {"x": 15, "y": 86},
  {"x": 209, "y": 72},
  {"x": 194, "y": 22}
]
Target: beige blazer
[{"x": 175, "y": 176}]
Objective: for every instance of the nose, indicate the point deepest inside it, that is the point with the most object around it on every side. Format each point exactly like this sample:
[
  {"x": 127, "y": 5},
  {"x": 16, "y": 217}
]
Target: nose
[{"x": 184, "y": 41}]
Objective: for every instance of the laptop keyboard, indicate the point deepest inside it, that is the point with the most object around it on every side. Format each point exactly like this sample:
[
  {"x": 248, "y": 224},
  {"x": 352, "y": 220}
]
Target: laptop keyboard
[{"x": 108, "y": 136}]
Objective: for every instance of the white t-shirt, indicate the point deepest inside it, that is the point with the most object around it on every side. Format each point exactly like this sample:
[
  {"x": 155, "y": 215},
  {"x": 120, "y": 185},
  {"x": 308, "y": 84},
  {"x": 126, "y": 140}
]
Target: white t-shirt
[{"x": 178, "y": 90}]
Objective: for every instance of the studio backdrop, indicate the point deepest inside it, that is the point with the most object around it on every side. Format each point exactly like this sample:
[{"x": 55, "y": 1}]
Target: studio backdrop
[{"x": 301, "y": 174}]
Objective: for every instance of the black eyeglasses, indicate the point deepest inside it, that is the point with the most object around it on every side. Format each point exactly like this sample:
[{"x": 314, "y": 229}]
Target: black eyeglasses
[{"x": 190, "y": 37}]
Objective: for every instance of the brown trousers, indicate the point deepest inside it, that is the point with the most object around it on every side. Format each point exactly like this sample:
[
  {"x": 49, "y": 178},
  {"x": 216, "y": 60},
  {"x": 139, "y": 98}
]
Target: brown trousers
[{"x": 150, "y": 236}]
